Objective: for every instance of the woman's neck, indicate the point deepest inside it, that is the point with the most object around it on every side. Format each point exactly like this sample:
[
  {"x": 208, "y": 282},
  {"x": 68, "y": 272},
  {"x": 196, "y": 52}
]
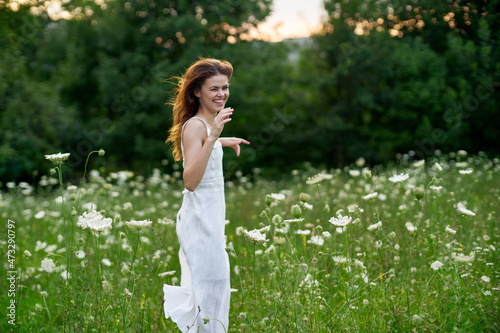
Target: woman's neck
[{"x": 207, "y": 116}]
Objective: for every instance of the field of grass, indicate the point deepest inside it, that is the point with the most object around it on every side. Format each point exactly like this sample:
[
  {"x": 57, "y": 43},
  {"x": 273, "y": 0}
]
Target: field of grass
[{"x": 351, "y": 250}]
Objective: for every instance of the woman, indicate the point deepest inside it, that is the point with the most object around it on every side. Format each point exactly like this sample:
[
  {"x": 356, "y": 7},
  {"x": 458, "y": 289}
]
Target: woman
[{"x": 199, "y": 118}]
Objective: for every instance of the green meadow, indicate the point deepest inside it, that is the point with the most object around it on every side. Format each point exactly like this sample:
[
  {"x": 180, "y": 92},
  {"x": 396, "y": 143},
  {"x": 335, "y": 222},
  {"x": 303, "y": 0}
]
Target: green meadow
[{"x": 406, "y": 247}]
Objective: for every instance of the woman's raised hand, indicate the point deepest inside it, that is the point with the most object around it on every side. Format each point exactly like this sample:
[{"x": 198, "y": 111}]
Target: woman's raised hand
[{"x": 220, "y": 120}]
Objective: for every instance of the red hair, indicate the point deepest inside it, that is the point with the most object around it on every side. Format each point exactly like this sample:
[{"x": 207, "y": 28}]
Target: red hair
[{"x": 185, "y": 103}]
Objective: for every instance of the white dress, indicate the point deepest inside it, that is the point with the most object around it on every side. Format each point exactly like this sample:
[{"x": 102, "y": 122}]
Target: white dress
[{"x": 205, "y": 287}]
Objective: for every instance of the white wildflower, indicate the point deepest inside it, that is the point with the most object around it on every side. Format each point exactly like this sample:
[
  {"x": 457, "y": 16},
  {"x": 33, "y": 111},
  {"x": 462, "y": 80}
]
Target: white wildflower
[
  {"x": 419, "y": 163},
  {"x": 279, "y": 240},
  {"x": 437, "y": 167},
  {"x": 270, "y": 249},
  {"x": 94, "y": 221},
  {"x": 315, "y": 179},
  {"x": 265, "y": 229},
  {"x": 40, "y": 215},
  {"x": 27, "y": 253},
  {"x": 370, "y": 196},
  {"x": 50, "y": 248},
  {"x": 326, "y": 234},
  {"x": 340, "y": 220},
  {"x": 57, "y": 158},
  {"x": 255, "y": 236},
  {"x": 466, "y": 171},
  {"x": 139, "y": 224},
  {"x": 410, "y": 227},
  {"x": 293, "y": 220},
  {"x": 166, "y": 221},
  {"x": 375, "y": 226},
  {"x": 354, "y": 173},
  {"x": 487, "y": 293},
  {"x": 316, "y": 240},
  {"x": 436, "y": 265},
  {"x": 277, "y": 196},
  {"x": 303, "y": 232},
  {"x": 127, "y": 292},
  {"x": 240, "y": 230},
  {"x": 80, "y": 254},
  {"x": 169, "y": 273},
  {"x": 307, "y": 205},
  {"x": 40, "y": 245},
  {"x": 378, "y": 244},
  {"x": 127, "y": 206},
  {"x": 461, "y": 209},
  {"x": 106, "y": 262},
  {"x": 485, "y": 278},
  {"x": 450, "y": 230},
  {"x": 48, "y": 265},
  {"x": 436, "y": 188},
  {"x": 399, "y": 178},
  {"x": 106, "y": 286},
  {"x": 359, "y": 263},
  {"x": 339, "y": 259}
]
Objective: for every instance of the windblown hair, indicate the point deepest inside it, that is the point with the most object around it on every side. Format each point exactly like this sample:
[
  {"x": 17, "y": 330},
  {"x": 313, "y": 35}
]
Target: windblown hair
[{"x": 184, "y": 101}]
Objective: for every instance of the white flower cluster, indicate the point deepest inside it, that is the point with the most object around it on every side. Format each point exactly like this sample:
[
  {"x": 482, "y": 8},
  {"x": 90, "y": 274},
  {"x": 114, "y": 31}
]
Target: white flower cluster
[
  {"x": 277, "y": 196},
  {"x": 466, "y": 171},
  {"x": 48, "y": 265},
  {"x": 436, "y": 265},
  {"x": 375, "y": 226},
  {"x": 57, "y": 158},
  {"x": 410, "y": 227},
  {"x": 340, "y": 221},
  {"x": 370, "y": 196},
  {"x": 315, "y": 179},
  {"x": 462, "y": 210},
  {"x": 316, "y": 240},
  {"x": 94, "y": 221},
  {"x": 463, "y": 258},
  {"x": 139, "y": 224},
  {"x": 450, "y": 230},
  {"x": 256, "y": 236},
  {"x": 399, "y": 178}
]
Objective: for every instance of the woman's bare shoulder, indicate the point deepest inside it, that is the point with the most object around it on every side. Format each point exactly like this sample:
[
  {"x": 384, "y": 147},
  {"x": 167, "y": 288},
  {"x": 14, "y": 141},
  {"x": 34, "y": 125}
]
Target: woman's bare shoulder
[{"x": 194, "y": 129}]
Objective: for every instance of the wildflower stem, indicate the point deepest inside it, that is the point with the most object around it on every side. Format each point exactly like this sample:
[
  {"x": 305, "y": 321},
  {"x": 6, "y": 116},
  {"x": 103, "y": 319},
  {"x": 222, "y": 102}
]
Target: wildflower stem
[
  {"x": 46, "y": 307},
  {"x": 254, "y": 280}
]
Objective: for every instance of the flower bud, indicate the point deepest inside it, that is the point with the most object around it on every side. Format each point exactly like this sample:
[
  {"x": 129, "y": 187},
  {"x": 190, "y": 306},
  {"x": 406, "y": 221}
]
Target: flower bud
[
  {"x": 304, "y": 197},
  {"x": 419, "y": 193},
  {"x": 296, "y": 211},
  {"x": 277, "y": 219}
]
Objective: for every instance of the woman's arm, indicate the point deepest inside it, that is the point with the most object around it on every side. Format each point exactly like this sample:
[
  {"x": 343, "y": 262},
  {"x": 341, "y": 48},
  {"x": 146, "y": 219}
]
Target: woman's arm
[
  {"x": 197, "y": 150},
  {"x": 198, "y": 147},
  {"x": 233, "y": 143}
]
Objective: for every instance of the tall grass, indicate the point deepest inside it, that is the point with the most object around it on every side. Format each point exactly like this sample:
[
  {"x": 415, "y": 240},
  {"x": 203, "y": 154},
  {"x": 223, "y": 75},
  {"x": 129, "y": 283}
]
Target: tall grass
[{"x": 417, "y": 255}]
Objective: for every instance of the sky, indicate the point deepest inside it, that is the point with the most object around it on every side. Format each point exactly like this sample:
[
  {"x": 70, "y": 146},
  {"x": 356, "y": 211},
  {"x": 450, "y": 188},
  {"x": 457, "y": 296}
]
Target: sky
[{"x": 292, "y": 19}]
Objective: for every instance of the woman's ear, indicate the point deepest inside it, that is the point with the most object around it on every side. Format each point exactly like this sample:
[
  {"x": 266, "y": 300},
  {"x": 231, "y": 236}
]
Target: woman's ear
[{"x": 197, "y": 93}]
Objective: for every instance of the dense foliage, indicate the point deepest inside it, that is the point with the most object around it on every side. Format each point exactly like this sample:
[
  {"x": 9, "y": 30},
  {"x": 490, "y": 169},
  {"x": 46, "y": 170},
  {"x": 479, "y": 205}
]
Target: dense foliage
[
  {"x": 408, "y": 247},
  {"x": 381, "y": 78}
]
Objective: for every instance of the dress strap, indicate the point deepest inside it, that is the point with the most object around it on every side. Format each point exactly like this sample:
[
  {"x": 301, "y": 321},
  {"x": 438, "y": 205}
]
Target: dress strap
[{"x": 206, "y": 125}]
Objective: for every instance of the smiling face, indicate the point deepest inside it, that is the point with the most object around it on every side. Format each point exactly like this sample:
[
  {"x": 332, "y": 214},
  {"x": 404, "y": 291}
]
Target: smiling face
[{"x": 213, "y": 93}]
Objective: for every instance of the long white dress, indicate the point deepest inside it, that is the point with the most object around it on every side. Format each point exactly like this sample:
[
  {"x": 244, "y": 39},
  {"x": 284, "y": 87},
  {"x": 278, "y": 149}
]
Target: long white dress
[{"x": 205, "y": 287}]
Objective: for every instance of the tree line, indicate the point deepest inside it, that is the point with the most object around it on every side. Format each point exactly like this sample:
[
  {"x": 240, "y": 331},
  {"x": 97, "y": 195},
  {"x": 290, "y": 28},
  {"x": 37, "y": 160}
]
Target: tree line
[{"x": 381, "y": 78}]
